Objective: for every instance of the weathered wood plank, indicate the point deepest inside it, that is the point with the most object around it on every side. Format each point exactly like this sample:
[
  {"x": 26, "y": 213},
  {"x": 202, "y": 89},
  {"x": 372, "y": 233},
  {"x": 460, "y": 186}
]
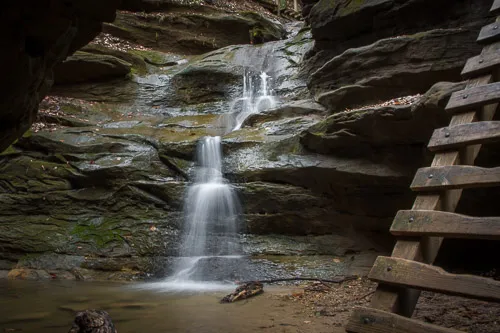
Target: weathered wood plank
[
  {"x": 471, "y": 98},
  {"x": 489, "y": 34},
  {"x": 466, "y": 134},
  {"x": 449, "y": 225},
  {"x": 403, "y": 301},
  {"x": 413, "y": 274},
  {"x": 495, "y": 9},
  {"x": 485, "y": 63},
  {"x": 454, "y": 177},
  {"x": 367, "y": 320}
]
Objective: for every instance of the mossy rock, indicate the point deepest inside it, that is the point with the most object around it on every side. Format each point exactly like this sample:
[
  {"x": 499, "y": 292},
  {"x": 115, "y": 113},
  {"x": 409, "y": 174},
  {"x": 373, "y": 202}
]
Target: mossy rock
[{"x": 138, "y": 64}]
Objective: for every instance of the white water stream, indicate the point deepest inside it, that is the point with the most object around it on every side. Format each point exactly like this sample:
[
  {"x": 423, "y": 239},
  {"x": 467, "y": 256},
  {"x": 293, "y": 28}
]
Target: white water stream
[{"x": 212, "y": 209}]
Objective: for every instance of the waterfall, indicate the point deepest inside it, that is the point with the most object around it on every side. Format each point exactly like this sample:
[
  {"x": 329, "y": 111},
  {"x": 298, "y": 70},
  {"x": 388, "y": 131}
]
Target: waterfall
[
  {"x": 212, "y": 209},
  {"x": 255, "y": 99}
]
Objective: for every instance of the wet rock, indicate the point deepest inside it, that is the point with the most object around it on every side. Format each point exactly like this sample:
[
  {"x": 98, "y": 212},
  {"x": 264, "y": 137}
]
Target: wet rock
[
  {"x": 34, "y": 46},
  {"x": 311, "y": 245},
  {"x": 93, "y": 321},
  {"x": 392, "y": 67},
  {"x": 292, "y": 109},
  {"x": 217, "y": 76}
]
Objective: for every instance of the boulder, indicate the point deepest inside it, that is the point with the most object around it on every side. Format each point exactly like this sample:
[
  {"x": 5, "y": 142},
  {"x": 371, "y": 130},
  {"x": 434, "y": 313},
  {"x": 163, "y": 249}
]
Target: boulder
[
  {"x": 37, "y": 37},
  {"x": 392, "y": 67},
  {"x": 84, "y": 67},
  {"x": 93, "y": 321}
]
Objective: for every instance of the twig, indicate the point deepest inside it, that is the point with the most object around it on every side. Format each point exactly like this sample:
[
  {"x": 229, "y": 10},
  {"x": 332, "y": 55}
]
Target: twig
[
  {"x": 370, "y": 293},
  {"x": 344, "y": 279}
]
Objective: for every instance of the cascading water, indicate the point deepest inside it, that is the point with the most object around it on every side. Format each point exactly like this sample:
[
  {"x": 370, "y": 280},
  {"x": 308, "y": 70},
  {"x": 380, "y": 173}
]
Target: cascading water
[
  {"x": 255, "y": 98},
  {"x": 212, "y": 209}
]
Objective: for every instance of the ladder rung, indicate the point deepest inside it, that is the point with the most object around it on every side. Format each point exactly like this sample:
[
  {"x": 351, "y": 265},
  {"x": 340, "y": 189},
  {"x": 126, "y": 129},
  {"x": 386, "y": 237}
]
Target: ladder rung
[
  {"x": 468, "y": 99},
  {"x": 484, "y": 63},
  {"x": 463, "y": 135},
  {"x": 489, "y": 33},
  {"x": 449, "y": 225},
  {"x": 368, "y": 320},
  {"x": 413, "y": 274},
  {"x": 455, "y": 177},
  {"x": 495, "y": 9}
]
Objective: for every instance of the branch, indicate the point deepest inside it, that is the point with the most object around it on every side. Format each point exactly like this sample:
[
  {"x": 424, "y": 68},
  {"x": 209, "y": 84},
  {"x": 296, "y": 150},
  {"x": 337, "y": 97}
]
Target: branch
[{"x": 340, "y": 280}]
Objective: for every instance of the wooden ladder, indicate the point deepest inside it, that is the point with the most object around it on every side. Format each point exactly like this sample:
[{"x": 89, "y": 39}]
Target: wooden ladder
[{"x": 421, "y": 230}]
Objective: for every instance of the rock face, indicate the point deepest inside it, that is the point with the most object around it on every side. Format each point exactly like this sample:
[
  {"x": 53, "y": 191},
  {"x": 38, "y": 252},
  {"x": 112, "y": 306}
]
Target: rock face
[
  {"x": 38, "y": 35},
  {"x": 192, "y": 31},
  {"x": 100, "y": 179},
  {"x": 392, "y": 67},
  {"x": 361, "y": 29}
]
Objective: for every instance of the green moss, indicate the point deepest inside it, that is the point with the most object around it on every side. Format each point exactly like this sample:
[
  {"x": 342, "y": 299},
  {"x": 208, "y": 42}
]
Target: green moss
[
  {"x": 10, "y": 150},
  {"x": 419, "y": 35},
  {"x": 28, "y": 134},
  {"x": 100, "y": 235},
  {"x": 152, "y": 56}
]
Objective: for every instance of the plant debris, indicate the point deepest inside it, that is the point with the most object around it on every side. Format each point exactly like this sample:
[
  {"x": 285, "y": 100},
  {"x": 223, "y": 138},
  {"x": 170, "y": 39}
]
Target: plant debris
[
  {"x": 406, "y": 100},
  {"x": 116, "y": 43}
]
